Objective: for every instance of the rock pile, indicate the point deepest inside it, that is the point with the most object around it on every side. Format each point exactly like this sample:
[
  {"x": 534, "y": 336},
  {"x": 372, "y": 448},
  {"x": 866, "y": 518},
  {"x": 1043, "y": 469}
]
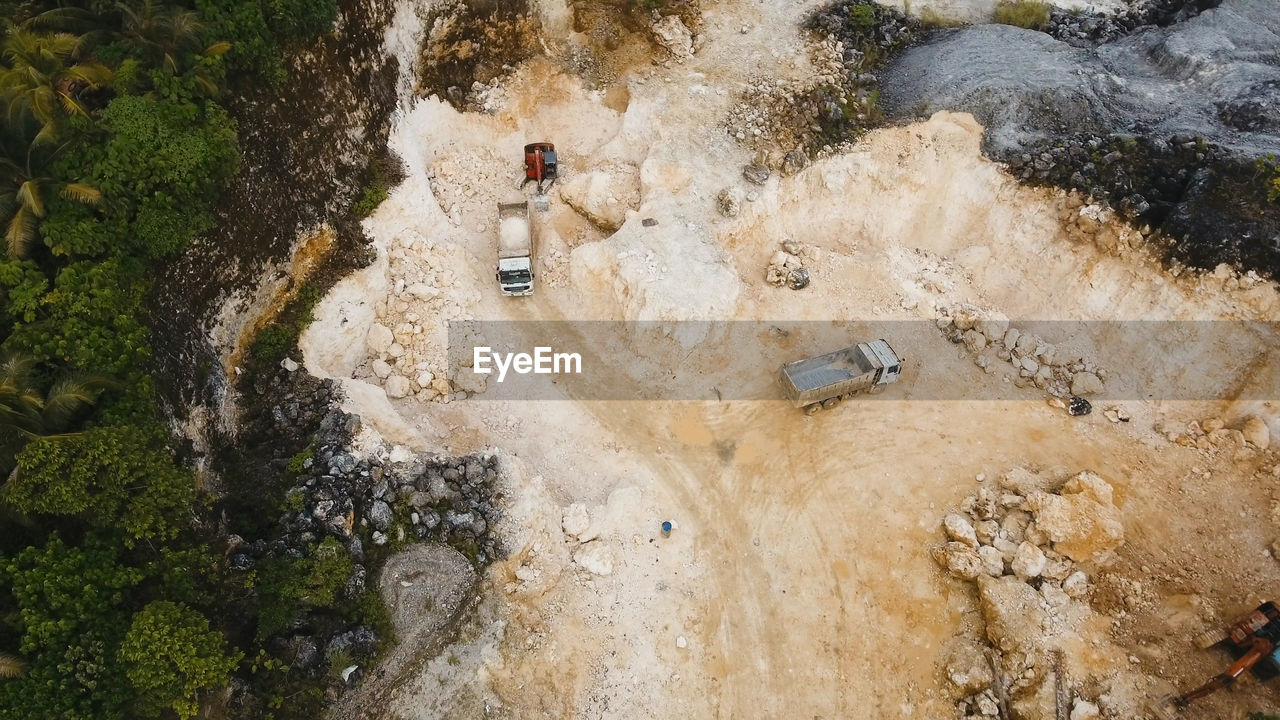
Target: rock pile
[
  {"x": 671, "y": 33},
  {"x": 1142, "y": 177},
  {"x": 1037, "y": 362},
  {"x": 406, "y": 346},
  {"x": 1093, "y": 223},
  {"x": 1025, "y": 547},
  {"x": 787, "y": 268},
  {"x": 395, "y": 496},
  {"x": 341, "y": 502},
  {"x": 465, "y": 45},
  {"x": 1084, "y": 28},
  {"x": 1212, "y": 432},
  {"x": 836, "y": 102}
]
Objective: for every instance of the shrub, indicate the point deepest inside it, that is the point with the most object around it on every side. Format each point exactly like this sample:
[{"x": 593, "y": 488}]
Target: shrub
[
  {"x": 1269, "y": 169},
  {"x": 90, "y": 321},
  {"x": 21, "y": 287},
  {"x": 274, "y": 341},
  {"x": 169, "y": 654},
  {"x": 70, "y": 616},
  {"x": 862, "y": 17},
  {"x": 934, "y": 19},
  {"x": 1029, "y": 14},
  {"x": 288, "y": 586},
  {"x": 160, "y": 164},
  {"x": 370, "y": 199},
  {"x": 111, "y": 477}
]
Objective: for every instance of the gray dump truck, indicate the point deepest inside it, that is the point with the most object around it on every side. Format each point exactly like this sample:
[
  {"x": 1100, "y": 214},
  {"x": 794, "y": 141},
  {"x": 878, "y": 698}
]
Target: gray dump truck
[
  {"x": 822, "y": 381},
  {"x": 515, "y": 249}
]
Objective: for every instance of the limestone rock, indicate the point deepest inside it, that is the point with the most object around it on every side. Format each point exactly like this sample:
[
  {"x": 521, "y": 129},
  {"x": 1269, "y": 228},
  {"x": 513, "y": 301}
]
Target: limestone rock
[
  {"x": 1013, "y": 614},
  {"x": 1082, "y": 521},
  {"x": 793, "y": 162},
  {"x": 992, "y": 329},
  {"x": 604, "y": 195},
  {"x": 671, "y": 33},
  {"x": 959, "y": 528},
  {"x": 1256, "y": 432},
  {"x": 1028, "y": 561},
  {"x": 576, "y": 521},
  {"x": 1076, "y": 585},
  {"x": 379, "y": 338},
  {"x": 729, "y": 202},
  {"x": 968, "y": 668},
  {"x": 986, "y": 531},
  {"x": 1022, "y": 481},
  {"x": 595, "y": 557},
  {"x": 1054, "y": 596},
  {"x": 397, "y": 386},
  {"x": 960, "y": 559},
  {"x": 1085, "y": 710},
  {"x": 380, "y": 369},
  {"x": 1037, "y": 701},
  {"x": 992, "y": 560},
  {"x": 757, "y": 174},
  {"x": 1085, "y": 383}
]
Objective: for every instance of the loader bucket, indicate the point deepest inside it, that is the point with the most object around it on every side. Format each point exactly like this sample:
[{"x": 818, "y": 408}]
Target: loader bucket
[{"x": 1163, "y": 708}]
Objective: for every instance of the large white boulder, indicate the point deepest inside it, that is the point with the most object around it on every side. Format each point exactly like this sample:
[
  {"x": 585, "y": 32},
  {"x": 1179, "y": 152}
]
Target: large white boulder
[
  {"x": 604, "y": 195},
  {"x": 672, "y": 270}
]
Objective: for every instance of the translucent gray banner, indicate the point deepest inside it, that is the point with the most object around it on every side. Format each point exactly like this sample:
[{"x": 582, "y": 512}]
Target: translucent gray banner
[{"x": 982, "y": 360}]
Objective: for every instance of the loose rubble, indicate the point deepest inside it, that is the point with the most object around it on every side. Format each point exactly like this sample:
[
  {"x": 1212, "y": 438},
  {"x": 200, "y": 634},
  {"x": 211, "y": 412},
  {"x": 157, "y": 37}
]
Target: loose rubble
[
  {"x": 786, "y": 267},
  {"x": 1026, "y": 546},
  {"x": 1213, "y": 434},
  {"x": 794, "y": 119},
  {"x": 1084, "y": 28},
  {"x": 1037, "y": 362}
]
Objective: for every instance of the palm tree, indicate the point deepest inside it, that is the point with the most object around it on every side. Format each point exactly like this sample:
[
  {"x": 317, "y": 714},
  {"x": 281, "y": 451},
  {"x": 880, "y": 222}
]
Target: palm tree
[
  {"x": 165, "y": 37},
  {"x": 11, "y": 666},
  {"x": 44, "y": 79},
  {"x": 27, "y": 413},
  {"x": 170, "y": 38},
  {"x": 162, "y": 34},
  {"x": 25, "y": 187}
]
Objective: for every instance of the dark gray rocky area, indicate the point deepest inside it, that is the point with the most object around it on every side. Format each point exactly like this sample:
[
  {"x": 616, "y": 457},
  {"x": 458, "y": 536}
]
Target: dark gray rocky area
[{"x": 1166, "y": 123}]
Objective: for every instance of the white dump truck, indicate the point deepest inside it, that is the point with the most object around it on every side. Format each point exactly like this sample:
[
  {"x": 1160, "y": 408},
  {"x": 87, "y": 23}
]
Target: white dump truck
[
  {"x": 515, "y": 249},
  {"x": 822, "y": 381}
]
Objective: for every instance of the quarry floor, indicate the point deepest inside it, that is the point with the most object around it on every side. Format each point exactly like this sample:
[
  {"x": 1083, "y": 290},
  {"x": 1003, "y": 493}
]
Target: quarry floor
[{"x": 798, "y": 580}]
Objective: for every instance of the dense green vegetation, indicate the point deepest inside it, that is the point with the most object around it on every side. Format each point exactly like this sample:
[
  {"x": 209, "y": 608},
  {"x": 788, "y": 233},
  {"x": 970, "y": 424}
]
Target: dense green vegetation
[{"x": 114, "y": 151}]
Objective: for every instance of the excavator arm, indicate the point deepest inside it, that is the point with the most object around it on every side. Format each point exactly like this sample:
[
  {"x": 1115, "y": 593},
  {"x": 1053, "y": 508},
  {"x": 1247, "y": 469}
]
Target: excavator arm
[{"x": 1258, "y": 650}]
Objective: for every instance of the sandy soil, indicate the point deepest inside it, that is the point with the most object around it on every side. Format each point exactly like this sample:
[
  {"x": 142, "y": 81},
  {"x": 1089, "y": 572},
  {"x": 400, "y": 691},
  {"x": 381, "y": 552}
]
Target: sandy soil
[{"x": 798, "y": 580}]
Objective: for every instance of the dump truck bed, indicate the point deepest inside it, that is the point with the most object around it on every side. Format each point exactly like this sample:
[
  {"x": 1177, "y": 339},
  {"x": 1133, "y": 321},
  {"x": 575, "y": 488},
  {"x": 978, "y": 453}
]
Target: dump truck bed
[
  {"x": 514, "y": 239},
  {"x": 850, "y": 370}
]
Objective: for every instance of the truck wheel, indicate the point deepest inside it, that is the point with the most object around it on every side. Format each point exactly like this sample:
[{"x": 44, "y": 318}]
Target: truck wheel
[
  {"x": 812, "y": 409},
  {"x": 830, "y": 403}
]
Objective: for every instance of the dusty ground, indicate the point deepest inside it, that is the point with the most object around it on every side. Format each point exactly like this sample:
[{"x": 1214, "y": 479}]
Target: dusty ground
[{"x": 798, "y": 581}]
